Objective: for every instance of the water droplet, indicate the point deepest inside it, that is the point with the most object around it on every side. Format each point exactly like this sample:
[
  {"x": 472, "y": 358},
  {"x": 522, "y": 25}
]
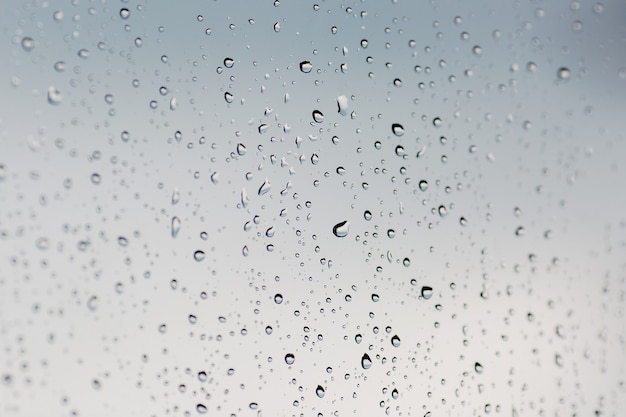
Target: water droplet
[
  {"x": 290, "y": 359},
  {"x": 358, "y": 338},
  {"x": 318, "y": 116},
  {"x": 437, "y": 122},
  {"x": 199, "y": 255},
  {"x": 427, "y": 292},
  {"x": 268, "y": 330},
  {"x": 175, "y": 226},
  {"x": 245, "y": 251},
  {"x": 342, "y": 105},
  {"x": 277, "y": 27},
  {"x": 395, "y": 341},
  {"x": 423, "y": 185},
  {"x": 306, "y": 66},
  {"x": 367, "y": 215},
  {"x": 124, "y": 13},
  {"x": 520, "y": 231},
  {"x": 442, "y": 211},
  {"x": 478, "y": 368},
  {"x": 59, "y": 66},
  {"x": 229, "y": 62},
  {"x": 463, "y": 221},
  {"x": 201, "y": 408},
  {"x": 83, "y": 53},
  {"x": 192, "y": 319},
  {"x": 95, "y": 178},
  {"x": 28, "y": 44},
  {"x": 265, "y": 187},
  {"x": 54, "y": 96},
  {"x": 341, "y": 229},
  {"x": 263, "y": 128},
  {"x": 394, "y": 394},
  {"x": 375, "y": 298},
  {"x": 92, "y": 303},
  {"x": 564, "y": 73},
  {"x": 228, "y": 97},
  {"x": 122, "y": 241},
  {"x": 397, "y": 129},
  {"x": 278, "y": 298},
  {"x": 366, "y": 361},
  {"x": 319, "y": 391}
]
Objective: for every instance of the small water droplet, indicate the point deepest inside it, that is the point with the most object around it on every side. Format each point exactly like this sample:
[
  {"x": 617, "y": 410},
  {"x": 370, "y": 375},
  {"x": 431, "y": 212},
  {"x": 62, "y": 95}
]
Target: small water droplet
[
  {"x": 290, "y": 359},
  {"x": 395, "y": 341},
  {"x": 394, "y": 394},
  {"x": 367, "y": 215},
  {"x": 437, "y": 122},
  {"x": 175, "y": 226},
  {"x": 124, "y": 13},
  {"x": 319, "y": 391},
  {"x": 423, "y": 185},
  {"x": 201, "y": 408},
  {"x": 278, "y": 298},
  {"x": 520, "y": 231},
  {"x": 277, "y": 27},
  {"x": 564, "y": 73},
  {"x": 341, "y": 229},
  {"x": 122, "y": 241},
  {"x": 265, "y": 187},
  {"x": 263, "y": 128},
  {"x": 306, "y": 66},
  {"x": 426, "y": 292},
  {"x": 92, "y": 303},
  {"x": 199, "y": 255},
  {"x": 95, "y": 178},
  {"x": 366, "y": 361},
  {"x": 358, "y": 338},
  {"x": 28, "y": 44},
  {"x": 478, "y": 368},
  {"x": 54, "y": 96},
  {"x": 229, "y": 97}
]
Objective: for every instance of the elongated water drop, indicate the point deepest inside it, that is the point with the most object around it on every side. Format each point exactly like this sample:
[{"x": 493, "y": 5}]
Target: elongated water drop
[{"x": 175, "y": 226}]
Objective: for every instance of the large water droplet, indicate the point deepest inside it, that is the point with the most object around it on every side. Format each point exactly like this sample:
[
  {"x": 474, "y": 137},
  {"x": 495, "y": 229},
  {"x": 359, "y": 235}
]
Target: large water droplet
[
  {"x": 199, "y": 255},
  {"x": 366, "y": 361},
  {"x": 290, "y": 359},
  {"x": 278, "y": 298},
  {"x": 241, "y": 149},
  {"x": 318, "y": 116},
  {"x": 423, "y": 184},
  {"x": 395, "y": 341},
  {"x": 306, "y": 66},
  {"x": 397, "y": 129},
  {"x": 341, "y": 229},
  {"x": 319, "y": 391},
  {"x": 124, "y": 13}
]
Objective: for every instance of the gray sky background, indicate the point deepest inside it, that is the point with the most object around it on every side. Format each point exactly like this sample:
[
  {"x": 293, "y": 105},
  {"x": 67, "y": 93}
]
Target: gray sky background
[{"x": 541, "y": 310}]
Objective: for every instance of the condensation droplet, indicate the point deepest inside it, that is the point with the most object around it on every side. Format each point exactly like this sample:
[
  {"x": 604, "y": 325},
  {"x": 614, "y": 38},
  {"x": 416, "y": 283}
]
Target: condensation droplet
[
  {"x": 306, "y": 66},
  {"x": 366, "y": 361},
  {"x": 341, "y": 229}
]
